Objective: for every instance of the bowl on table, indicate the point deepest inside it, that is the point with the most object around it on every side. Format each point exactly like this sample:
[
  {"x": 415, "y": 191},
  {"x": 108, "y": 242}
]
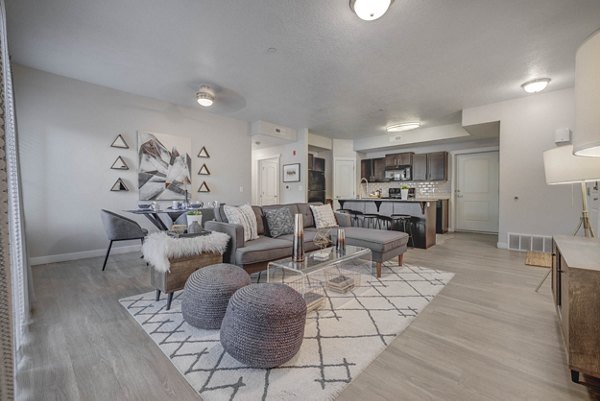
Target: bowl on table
[{"x": 144, "y": 206}]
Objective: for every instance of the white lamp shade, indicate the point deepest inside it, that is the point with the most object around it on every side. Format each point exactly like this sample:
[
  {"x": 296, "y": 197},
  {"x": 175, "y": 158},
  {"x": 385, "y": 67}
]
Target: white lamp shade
[
  {"x": 562, "y": 167},
  {"x": 586, "y": 138}
]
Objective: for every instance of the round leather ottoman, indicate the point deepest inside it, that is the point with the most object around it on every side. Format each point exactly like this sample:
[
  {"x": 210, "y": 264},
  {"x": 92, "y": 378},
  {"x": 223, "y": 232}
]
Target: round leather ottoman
[
  {"x": 207, "y": 292},
  {"x": 264, "y": 325}
]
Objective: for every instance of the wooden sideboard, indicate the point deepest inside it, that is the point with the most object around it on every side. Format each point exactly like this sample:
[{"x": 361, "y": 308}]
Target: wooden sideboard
[{"x": 576, "y": 289}]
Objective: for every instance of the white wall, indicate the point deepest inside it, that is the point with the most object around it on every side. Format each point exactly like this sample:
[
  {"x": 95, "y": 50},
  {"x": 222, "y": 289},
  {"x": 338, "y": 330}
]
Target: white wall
[
  {"x": 65, "y": 129},
  {"x": 296, "y": 152},
  {"x": 527, "y": 125}
]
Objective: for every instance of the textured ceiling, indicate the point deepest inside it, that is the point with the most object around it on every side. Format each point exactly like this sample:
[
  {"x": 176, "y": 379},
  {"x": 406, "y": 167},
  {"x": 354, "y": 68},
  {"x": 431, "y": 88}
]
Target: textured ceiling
[{"x": 332, "y": 72}]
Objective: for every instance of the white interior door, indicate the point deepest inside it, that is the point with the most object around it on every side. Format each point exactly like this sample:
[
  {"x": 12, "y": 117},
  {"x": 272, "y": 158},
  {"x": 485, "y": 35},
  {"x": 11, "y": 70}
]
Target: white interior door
[
  {"x": 268, "y": 186},
  {"x": 344, "y": 178},
  {"x": 477, "y": 192}
]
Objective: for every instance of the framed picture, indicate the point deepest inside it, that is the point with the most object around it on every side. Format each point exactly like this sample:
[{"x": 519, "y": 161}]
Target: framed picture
[{"x": 291, "y": 172}]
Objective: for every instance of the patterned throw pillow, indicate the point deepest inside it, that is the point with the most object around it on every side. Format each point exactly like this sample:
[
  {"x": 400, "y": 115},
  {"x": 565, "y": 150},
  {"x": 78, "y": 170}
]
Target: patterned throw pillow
[
  {"x": 324, "y": 217},
  {"x": 280, "y": 221},
  {"x": 244, "y": 216}
]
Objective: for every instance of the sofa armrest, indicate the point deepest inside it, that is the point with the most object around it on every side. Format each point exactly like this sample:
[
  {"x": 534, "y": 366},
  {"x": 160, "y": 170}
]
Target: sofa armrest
[
  {"x": 236, "y": 234},
  {"x": 343, "y": 219}
]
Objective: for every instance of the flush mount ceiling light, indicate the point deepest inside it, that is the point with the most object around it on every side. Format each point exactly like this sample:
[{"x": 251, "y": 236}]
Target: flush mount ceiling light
[
  {"x": 205, "y": 96},
  {"x": 370, "y": 10},
  {"x": 536, "y": 85},
  {"x": 402, "y": 127}
]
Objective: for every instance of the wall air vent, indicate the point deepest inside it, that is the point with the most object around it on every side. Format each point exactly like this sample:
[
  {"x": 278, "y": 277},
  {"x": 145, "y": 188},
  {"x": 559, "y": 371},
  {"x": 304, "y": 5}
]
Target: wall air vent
[{"x": 529, "y": 242}]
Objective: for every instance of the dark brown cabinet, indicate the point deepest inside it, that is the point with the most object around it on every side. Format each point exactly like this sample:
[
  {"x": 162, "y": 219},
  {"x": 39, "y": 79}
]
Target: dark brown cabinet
[
  {"x": 373, "y": 170},
  {"x": 419, "y": 167},
  {"x": 398, "y": 159},
  {"x": 437, "y": 166}
]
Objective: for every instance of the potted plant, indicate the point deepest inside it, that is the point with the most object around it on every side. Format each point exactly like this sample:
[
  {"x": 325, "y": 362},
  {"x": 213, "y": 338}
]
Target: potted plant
[
  {"x": 404, "y": 192},
  {"x": 194, "y": 216}
]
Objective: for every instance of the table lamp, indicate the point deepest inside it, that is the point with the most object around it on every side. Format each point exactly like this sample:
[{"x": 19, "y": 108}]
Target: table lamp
[
  {"x": 586, "y": 138},
  {"x": 562, "y": 167}
]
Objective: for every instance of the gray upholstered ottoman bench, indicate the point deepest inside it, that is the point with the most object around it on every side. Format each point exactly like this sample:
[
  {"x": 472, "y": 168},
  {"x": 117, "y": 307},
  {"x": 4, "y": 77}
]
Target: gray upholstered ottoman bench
[
  {"x": 207, "y": 292},
  {"x": 264, "y": 325},
  {"x": 384, "y": 244}
]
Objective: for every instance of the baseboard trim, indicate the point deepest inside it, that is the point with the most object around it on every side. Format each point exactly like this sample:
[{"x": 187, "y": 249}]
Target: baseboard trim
[
  {"x": 502, "y": 245},
  {"x": 64, "y": 257}
]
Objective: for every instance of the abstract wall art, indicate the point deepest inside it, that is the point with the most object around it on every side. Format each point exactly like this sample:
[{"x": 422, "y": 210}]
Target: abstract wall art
[{"x": 165, "y": 166}]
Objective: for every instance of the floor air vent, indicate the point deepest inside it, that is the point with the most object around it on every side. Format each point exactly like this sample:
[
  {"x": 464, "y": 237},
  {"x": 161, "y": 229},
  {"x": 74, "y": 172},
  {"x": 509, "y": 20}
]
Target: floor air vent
[{"x": 529, "y": 242}]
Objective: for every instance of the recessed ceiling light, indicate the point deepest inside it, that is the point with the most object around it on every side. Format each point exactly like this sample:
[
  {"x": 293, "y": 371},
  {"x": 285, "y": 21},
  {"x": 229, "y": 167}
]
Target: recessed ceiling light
[
  {"x": 205, "y": 96},
  {"x": 402, "y": 127},
  {"x": 370, "y": 10},
  {"x": 536, "y": 85}
]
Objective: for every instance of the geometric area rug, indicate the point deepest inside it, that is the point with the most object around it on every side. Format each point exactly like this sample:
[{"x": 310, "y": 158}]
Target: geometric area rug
[{"x": 340, "y": 340}]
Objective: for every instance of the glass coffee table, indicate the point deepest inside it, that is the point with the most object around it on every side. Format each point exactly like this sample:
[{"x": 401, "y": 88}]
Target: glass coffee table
[{"x": 323, "y": 270}]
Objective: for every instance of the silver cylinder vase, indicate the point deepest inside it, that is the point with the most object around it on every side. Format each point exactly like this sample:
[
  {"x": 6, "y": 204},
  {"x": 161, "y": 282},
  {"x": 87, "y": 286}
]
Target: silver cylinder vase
[
  {"x": 340, "y": 244},
  {"x": 298, "y": 242}
]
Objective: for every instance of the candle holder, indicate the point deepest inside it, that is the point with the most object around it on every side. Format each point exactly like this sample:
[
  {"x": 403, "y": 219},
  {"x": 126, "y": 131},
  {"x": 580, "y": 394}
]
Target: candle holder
[{"x": 340, "y": 244}]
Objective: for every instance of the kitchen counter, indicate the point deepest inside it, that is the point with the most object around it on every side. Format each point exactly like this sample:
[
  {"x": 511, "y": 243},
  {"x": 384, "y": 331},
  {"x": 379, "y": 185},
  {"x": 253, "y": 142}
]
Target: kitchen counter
[{"x": 422, "y": 210}]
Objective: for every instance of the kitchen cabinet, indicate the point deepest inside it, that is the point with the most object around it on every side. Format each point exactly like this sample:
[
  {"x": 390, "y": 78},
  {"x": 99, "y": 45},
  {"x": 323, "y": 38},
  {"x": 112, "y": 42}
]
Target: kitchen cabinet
[
  {"x": 441, "y": 216},
  {"x": 437, "y": 166},
  {"x": 373, "y": 170},
  {"x": 399, "y": 159},
  {"x": 419, "y": 167}
]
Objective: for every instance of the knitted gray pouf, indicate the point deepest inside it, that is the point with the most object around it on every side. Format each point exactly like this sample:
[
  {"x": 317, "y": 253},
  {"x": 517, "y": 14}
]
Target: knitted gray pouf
[
  {"x": 207, "y": 292},
  {"x": 264, "y": 325}
]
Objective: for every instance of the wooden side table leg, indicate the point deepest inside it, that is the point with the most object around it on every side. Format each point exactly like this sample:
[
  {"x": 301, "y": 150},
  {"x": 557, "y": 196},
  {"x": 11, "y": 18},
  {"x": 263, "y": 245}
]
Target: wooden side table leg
[
  {"x": 378, "y": 269},
  {"x": 400, "y": 259}
]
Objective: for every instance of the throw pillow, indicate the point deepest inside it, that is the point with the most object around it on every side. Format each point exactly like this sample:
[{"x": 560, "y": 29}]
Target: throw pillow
[
  {"x": 244, "y": 216},
  {"x": 324, "y": 217},
  {"x": 280, "y": 221}
]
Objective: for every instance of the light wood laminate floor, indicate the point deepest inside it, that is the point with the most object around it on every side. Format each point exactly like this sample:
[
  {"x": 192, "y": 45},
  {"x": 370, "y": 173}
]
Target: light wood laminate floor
[{"x": 487, "y": 336}]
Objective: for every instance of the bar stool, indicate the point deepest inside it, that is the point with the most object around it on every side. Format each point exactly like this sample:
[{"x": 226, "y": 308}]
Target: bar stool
[
  {"x": 356, "y": 217},
  {"x": 370, "y": 220},
  {"x": 406, "y": 221},
  {"x": 385, "y": 222}
]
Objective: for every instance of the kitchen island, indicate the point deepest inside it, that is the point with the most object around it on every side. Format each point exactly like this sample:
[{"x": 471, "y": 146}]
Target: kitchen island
[{"x": 422, "y": 210}]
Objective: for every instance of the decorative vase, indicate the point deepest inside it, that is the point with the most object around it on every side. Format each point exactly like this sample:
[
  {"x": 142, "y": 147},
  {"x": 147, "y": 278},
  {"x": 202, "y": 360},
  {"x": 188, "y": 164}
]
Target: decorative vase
[
  {"x": 298, "y": 242},
  {"x": 194, "y": 228},
  {"x": 404, "y": 193},
  {"x": 194, "y": 219},
  {"x": 340, "y": 244}
]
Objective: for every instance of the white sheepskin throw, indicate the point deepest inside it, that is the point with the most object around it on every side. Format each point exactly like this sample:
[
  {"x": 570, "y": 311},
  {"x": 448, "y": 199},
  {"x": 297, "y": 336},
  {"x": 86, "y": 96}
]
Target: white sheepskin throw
[{"x": 159, "y": 248}]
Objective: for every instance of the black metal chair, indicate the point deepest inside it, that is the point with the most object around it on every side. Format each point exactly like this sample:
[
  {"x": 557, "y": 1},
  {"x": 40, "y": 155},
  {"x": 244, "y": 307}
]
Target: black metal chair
[
  {"x": 370, "y": 220},
  {"x": 120, "y": 228}
]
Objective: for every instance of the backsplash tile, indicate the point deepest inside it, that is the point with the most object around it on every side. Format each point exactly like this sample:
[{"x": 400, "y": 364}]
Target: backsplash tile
[{"x": 423, "y": 189}]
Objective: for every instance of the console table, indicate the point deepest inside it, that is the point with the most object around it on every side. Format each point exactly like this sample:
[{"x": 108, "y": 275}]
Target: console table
[{"x": 576, "y": 289}]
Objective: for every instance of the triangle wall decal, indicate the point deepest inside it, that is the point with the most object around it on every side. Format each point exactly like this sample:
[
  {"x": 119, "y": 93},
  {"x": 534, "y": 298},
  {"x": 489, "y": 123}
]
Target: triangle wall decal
[
  {"x": 119, "y": 185},
  {"x": 119, "y": 142},
  {"x": 203, "y": 153},
  {"x": 119, "y": 164},
  {"x": 204, "y": 170},
  {"x": 204, "y": 187}
]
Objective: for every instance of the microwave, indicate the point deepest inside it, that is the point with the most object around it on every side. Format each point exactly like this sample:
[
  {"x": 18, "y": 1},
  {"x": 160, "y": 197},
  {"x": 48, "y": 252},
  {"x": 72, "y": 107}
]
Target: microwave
[{"x": 401, "y": 174}]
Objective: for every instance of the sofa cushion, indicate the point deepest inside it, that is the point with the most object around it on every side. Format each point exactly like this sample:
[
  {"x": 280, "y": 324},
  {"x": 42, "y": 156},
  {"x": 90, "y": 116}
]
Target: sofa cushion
[
  {"x": 293, "y": 209},
  {"x": 309, "y": 236},
  {"x": 244, "y": 216},
  {"x": 260, "y": 223},
  {"x": 307, "y": 215},
  {"x": 280, "y": 221},
  {"x": 323, "y": 215},
  {"x": 376, "y": 240},
  {"x": 263, "y": 249}
]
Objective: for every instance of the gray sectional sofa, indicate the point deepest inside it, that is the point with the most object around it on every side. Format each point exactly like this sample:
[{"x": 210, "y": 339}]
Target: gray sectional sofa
[{"x": 256, "y": 254}]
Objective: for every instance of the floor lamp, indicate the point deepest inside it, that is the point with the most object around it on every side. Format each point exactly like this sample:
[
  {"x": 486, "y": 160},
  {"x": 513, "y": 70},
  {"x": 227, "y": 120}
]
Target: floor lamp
[{"x": 562, "y": 167}]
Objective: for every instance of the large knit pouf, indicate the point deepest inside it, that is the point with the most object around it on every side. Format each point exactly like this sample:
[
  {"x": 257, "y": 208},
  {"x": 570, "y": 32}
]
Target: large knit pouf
[
  {"x": 207, "y": 292},
  {"x": 264, "y": 325}
]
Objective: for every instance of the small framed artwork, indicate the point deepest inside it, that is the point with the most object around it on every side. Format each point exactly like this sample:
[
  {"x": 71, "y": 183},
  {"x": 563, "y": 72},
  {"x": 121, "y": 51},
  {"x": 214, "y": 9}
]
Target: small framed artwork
[{"x": 291, "y": 172}]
